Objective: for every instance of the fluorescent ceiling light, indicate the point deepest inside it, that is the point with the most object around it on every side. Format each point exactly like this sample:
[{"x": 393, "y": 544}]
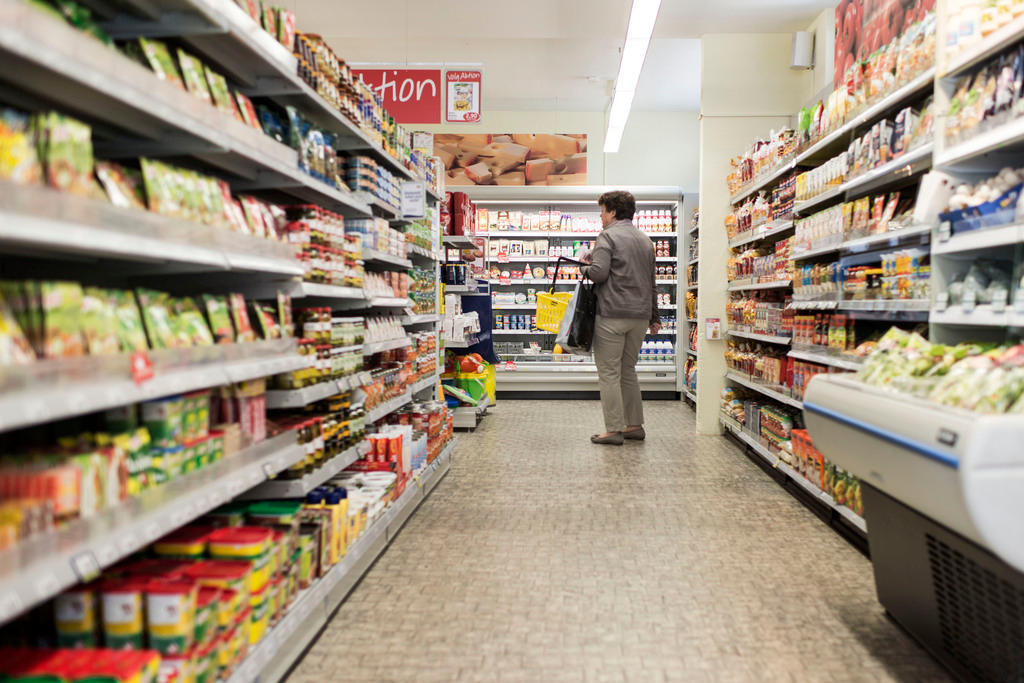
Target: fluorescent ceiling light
[{"x": 642, "y": 17}]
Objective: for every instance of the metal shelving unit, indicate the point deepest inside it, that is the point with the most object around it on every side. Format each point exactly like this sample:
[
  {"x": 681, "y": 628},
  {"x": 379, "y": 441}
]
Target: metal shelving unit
[
  {"x": 43, "y": 566},
  {"x": 270, "y": 659},
  {"x": 276, "y": 489},
  {"x": 768, "y": 391}
]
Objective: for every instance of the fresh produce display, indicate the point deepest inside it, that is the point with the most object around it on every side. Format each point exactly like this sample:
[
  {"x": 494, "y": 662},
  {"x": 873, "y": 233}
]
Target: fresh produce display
[{"x": 980, "y": 377}]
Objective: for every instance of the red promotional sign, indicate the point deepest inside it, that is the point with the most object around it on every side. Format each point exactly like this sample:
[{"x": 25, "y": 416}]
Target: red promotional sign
[
  {"x": 410, "y": 95},
  {"x": 463, "y": 93}
]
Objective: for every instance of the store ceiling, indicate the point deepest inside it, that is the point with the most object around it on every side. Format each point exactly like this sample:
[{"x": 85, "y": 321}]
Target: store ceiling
[{"x": 559, "y": 55}]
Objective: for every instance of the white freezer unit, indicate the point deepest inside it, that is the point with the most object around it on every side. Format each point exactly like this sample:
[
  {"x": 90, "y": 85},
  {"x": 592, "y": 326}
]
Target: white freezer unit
[{"x": 963, "y": 470}]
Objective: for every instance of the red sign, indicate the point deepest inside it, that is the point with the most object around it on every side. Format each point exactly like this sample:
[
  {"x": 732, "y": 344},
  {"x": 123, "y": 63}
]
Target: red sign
[
  {"x": 463, "y": 92},
  {"x": 410, "y": 95}
]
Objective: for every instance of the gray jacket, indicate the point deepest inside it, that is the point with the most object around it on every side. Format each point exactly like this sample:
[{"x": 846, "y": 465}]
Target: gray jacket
[{"x": 622, "y": 267}]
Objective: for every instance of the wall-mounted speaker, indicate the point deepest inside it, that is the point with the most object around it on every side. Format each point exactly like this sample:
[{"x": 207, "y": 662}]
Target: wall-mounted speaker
[{"x": 803, "y": 51}]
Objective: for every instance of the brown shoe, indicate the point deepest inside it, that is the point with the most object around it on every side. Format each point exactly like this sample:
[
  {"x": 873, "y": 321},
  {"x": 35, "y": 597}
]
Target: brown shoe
[
  {"x": 635, "y": 434},
  {"x": 611, "y": 440}
]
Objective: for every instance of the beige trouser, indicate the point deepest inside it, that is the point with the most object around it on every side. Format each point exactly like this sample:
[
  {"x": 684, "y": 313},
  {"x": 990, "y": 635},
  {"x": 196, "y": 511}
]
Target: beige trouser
[{"x": 617, "y": 343}]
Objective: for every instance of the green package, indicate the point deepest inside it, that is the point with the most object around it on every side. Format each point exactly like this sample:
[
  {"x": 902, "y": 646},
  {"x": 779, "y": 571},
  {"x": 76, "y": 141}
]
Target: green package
[
  {"x": 158, "y": 319},
  {"x": 123, "y": 187},
  {"x": 219, "y": 92},
  {"x": 99, "y": 321},
  {"x": 159, "y": 59},
  {"x": 164, "y": 421},
  {"x": 62, "y": 316},
  {"x": 65, "y": 146},
  {"x": 264, "y": 314},
  {"x": 195, "y": 79},
  {"x": 130, "y": 330},
  {"x": 219, "y": 316},
  {"x": 193, "y": 323}
]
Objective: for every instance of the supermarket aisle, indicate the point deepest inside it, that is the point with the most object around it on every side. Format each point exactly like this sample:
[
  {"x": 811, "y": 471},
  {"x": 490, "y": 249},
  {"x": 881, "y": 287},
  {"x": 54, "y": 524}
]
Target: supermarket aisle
[{"x": 543, "y": 558}]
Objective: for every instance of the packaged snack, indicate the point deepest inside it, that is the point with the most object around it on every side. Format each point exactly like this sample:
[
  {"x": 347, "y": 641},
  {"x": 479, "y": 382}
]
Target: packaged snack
[
  {"x": 240, "y": 318},
  {"x": 76, "y": 617},
  {"x": 18, "y": 160},
  {"x": 193, "y": 322},
  {"x": 269, "y": 17},
  {"x": 14, "y": 345},
  {"x": 264, "y": 314},
  {"x": 219, "y": 92},
  {"x": 123, "y": 188},
  {"x": 284, "y": 314},
  {"x": 195, "y": 78},
  {"x": 252, "y": 7},
  {"x": 159, "y": 319},
  {"x": 62, "y": 320},
  {"x": 157, "y": 181},
  {"x": 285, "y": 27},
  {"x": 163, "y": 419},
  {"x": 171, "y": 615},
  {"x": 247, "y": 113},
  {"x": 218, "y": 315},
  {"x": 65, "y": 147},
  {"x": 122, "y": 600},
  {"x": 99, "y": 321},
  {"x": 159, "y": 59},
  {"x": 130, "y": 329}
]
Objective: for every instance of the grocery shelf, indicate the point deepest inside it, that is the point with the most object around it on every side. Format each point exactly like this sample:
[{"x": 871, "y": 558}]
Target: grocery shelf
[
  {"x": 379, "y": 257},
  {"x": 425, "y": 383},
  {"x": 420, "y": 319},
  {"x": 992, "y": 140},
  {"x": 669, "y": 259},
  {"x": 763, "y": 181},
  {"x": 459, "y": 289},
  {"x": 43, "y": 566},
  {"x": 690, "y": 395},
  {"x": 468, "y": 417},
  {"x": 270, "y": 660},
  {"x": 885, "y": 305},
  {"x": 691, "y": 352},
  {"x": 802, "y": 207},
  {"x": 825, "y": 358},
  {"x": 458, "y": 241},
  {"x": 988, "y": 47},
  {"x": 904, "y": 166},
  {"x": 514, "y": 307},
  {"x": 645, "y": 366},
  {"x": 763, "y": 389},
  {"x": 533, "y": 281},
  {"x": 774, "y": 284},
  {"x": 560, "y": 233},
  {"x": 421, "y": 253},
  {"x": 692, "y": 261},
  {"x": 662, "y": 281},
  {"x": 388, "y": 407},
  {"x": 979, "y": 240},
  {"x": 980, "y": 316},
  {"x": 388, "y": 302},
  {"x": 691, "y": 320},
  {"x": 885, "y": 239},
  {"x": 693, "y": 229},
  {"x": 839, "y": 138},
  {"x": 384, "y": 209},
  {"x": 370, "y": 348},
  {"x": 432, "y": 194},
  {"x": 44, "y": 55},
  {"x": 755, "y": 445},
  {"x": 298, "y": 488},
  {"x": 499, "y": 333},
  {"x": 770, "y": 338},
  {"x": 818, "y": 251},
  {"x": 52, "y": 390},
  {"x": 43, "y": 220},
  {"x": 773, "y": 229},
  {"x": 299, "y": 398},
  {"x": 316, "y": 290}
]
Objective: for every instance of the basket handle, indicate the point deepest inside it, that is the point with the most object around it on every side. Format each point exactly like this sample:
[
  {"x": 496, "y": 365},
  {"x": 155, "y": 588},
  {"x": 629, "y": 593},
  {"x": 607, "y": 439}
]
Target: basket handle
[{"x": 558, "y": 266}]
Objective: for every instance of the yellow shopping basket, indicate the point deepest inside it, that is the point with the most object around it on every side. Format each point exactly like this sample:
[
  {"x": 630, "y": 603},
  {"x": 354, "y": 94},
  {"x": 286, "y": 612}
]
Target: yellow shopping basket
[{"x": 551, "y": 307}]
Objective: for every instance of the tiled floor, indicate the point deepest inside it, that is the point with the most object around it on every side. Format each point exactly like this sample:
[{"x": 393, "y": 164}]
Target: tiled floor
[{"x": 544, "y": 558}]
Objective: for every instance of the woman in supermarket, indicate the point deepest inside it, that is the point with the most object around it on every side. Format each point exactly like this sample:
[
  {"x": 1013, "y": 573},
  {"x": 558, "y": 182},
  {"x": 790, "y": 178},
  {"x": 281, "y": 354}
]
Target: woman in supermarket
[{"x": 623, "y": 271}]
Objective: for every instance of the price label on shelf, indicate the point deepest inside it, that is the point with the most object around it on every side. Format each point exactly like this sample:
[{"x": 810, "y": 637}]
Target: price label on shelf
[
  {"x": 999, "y": 303},
  {"x": 941, "y": 301},
  {"x": 1018, "y": 302},
  {"x": 944, "y": 231},
  {"x": 502, "y": 257},
  {"x": 85, "y": 566},
  {"x": 970, "y": 301},
  {"x": 142, "y": 367},
  {"x": 511, "y": 365}
]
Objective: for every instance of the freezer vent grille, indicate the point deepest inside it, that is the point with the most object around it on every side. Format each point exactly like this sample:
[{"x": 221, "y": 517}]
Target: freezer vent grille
[{"x": 981, "y": 616}]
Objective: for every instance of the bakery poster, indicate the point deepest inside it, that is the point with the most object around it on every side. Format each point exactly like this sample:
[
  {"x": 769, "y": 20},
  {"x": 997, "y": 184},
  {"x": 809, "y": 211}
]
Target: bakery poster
[
  {"x": 462, "y": 89},
  {"x": 865, "y": 26},
  {"x": 516, "y": 159}
]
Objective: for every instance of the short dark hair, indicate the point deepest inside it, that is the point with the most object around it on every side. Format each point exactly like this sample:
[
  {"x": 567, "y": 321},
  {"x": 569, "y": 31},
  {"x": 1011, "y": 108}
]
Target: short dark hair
[{"x": 622, "y": 203}]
